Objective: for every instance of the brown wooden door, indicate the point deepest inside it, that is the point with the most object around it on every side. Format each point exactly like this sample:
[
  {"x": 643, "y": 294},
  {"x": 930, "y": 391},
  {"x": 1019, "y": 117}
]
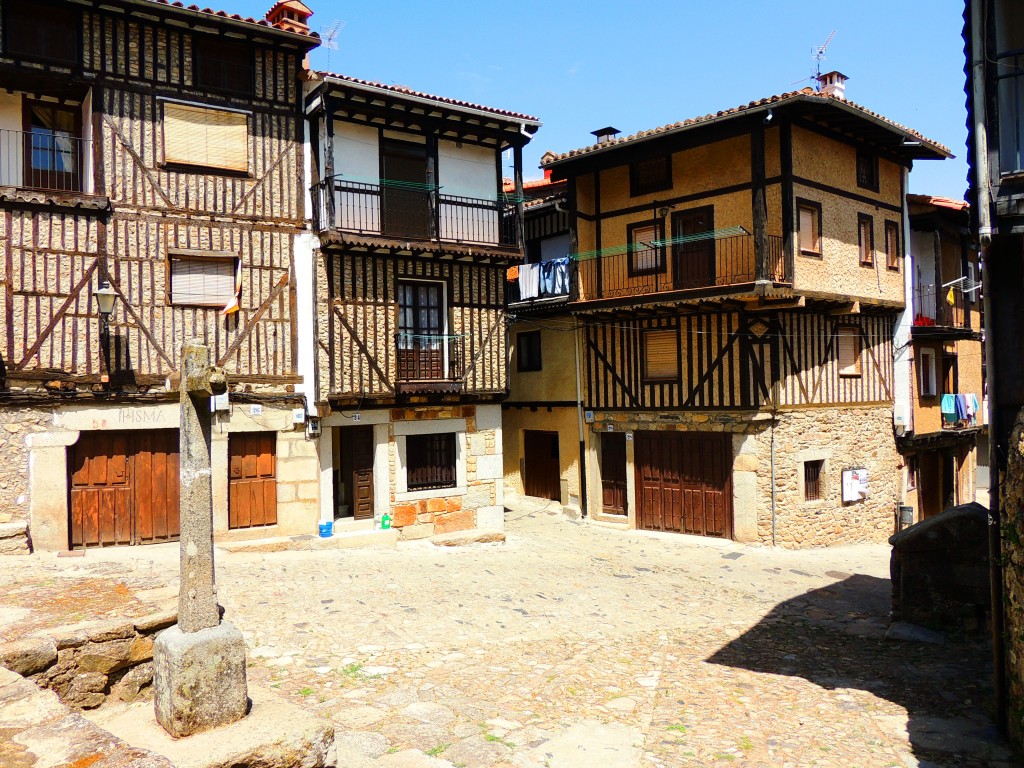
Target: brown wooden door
[
  {"x": 693, "y": 263},
  {"x": 683, "y": 483},
  {"x": 404, "y": 190},
  {"x": 543, "y": 474},
  {"x": 362, "y": 472},
  {"x": 124, "y": 488},
  {"x": 613, "y": 473},
  {"x": 252, "y": 479}
]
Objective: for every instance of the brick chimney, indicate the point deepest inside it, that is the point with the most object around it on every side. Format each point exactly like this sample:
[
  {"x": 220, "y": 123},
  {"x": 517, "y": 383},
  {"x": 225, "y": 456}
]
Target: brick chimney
[
  {"x": 291, "y": 16},
  {"x": 833, "y": 84}
]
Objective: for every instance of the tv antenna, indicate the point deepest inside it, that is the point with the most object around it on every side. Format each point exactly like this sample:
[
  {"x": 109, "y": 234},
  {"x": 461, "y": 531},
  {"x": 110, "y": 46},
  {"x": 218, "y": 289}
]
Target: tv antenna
[
  {"x": 818, "y": 54},
  {"x": 329, "y": 37}
]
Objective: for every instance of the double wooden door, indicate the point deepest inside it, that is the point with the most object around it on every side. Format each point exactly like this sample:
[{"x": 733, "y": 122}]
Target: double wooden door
[
  {"x": 252, "y": 479},
  {"x": 683, "y": 482},
  {"x": 124, "y": 488},
  {"x": 543, "y": 475}
]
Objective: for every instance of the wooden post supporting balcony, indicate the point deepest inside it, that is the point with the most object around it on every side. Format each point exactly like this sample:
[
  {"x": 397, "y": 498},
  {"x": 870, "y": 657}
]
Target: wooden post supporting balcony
[{"x": 759, "y": 203}]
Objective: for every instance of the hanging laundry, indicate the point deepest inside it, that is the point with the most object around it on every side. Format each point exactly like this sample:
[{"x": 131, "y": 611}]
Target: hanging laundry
[
  {"x": 547, "y": 278},
  {"x": 961, "y": 408},
  {"x": 529, "y": 281},
  {"x": 948, "y": 409}
]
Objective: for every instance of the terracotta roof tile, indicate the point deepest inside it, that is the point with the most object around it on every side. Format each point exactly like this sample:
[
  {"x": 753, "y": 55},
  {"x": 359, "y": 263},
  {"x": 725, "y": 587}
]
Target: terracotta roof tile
[
  {"x": 402, "y": 89},
  {"x": 803, "y": 93},
  {"x": 939, "y": 201},
  {"x": 231, "y": 16}
]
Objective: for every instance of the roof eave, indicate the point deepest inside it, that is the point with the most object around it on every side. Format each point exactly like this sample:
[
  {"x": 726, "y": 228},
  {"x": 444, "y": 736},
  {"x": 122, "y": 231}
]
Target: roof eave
[{"x": 307, "y": 42}]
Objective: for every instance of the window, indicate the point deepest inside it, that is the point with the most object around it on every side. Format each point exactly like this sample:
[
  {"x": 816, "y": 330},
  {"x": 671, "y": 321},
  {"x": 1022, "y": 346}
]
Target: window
[
  {"x": 661, "y": 355},
  {"x": 867, "y": 170},
  {"x": 209, "y": 138},
  {"x": 912, "y": 473},
  {"x": 866, "y": 239},
  {"x": 207, "y": 280},
  {"x": 424, "y": 351},
  {"x": 53, "y": 147},
  {"x": 528, "y": 351},
  {"x": 926, "y": 379},
  {"x": 222, "y": 65},
  {"x": 892, "y": 245},
  {"x": 810, "y": 227},
  {"x": 41, "y": 31},
  {"x": 849, "y": 350},
  {"x": 651, "y": 175},
  {"x": 430, "y": 461},
  {"x": 813, "y": 490},
  {"x": 646, "y": 253}
]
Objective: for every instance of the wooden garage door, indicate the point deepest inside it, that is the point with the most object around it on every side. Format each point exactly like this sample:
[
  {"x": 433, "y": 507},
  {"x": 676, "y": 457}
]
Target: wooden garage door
[
  {"x": 124, "y": 488},
  {"x": 252, "y": 479},
  {"x": 543, "y": 475},
  {"x": 683, "y": 483}
]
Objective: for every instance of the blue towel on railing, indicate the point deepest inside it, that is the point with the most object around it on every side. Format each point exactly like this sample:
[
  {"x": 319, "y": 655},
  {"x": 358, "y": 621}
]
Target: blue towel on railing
[{"x": 948, "y": 405}]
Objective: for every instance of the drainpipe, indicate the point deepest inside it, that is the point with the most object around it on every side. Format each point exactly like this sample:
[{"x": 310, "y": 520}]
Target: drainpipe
[
  {"x": 775, "y": 415},
  {"x": 579, "y": 421},
  {"x": 984, "y": 213}
]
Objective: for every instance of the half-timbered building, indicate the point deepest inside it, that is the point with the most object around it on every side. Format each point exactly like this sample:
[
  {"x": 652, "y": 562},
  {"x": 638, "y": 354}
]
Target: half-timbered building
[
  {"x": 735, "y": 282},
  {"x": 150, "y": 193},
  {"x": 939, "y": 341},
  {"x": 415, "y": 236}
]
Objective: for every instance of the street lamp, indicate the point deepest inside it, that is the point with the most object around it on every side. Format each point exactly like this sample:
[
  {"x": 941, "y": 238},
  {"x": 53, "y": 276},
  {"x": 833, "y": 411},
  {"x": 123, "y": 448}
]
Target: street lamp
[{"x": 105, "y": 297}]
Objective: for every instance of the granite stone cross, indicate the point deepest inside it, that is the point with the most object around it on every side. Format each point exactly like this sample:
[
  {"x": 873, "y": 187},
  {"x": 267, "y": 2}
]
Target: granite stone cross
[{"x": 199, "y": 664}]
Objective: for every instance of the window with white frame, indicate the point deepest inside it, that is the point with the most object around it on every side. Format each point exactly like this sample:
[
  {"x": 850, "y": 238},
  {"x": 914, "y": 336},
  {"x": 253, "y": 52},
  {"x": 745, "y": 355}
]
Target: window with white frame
[{"x": 926, "y": 373}]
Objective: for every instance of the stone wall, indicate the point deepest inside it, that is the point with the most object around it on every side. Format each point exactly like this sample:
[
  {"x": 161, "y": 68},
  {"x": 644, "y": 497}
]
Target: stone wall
[
  {"x": 844, "y": 438},
  {"x": 18, "y": 423},
  {"x": 85, "y": 663},
  {"x": 1012, "y": 524}
]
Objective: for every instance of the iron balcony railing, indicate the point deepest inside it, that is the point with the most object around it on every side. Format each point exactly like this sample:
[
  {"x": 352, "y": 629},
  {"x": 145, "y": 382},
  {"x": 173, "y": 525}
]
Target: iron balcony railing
[
  {"x": 395, "y": 209},
  {"x": 960, "y": 411},
  {"x": 939, "y": 306},
  {"x": 43, "y": 159},
  {"x": 662, "y": 267},
  {"x": 428, "y": 357}
]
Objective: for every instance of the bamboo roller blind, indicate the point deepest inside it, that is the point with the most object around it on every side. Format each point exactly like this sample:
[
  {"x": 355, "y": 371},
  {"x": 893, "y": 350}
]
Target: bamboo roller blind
[
  {"x": 207, "y": 137},
  {"x": 205, "y": 282},
  {"x": 849, "y": 351},
  {"x": 662, "y": 352}
]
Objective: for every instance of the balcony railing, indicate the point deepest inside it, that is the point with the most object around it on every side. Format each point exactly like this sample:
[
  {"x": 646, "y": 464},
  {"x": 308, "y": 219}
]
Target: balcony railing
[
  {"x": 429, "y": 357},
  {"x": 546, "y": 282},
  {"x": 663, "y": 267},
  {"x": 395, "y": 209},
  {"x": 960, "y": 411},
  {"x": 44, "y": 160},
  {"x": 932, "y": 306}
]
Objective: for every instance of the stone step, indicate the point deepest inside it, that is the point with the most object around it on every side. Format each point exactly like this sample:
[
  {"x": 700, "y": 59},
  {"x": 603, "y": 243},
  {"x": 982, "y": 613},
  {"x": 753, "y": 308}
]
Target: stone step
[
  {"x": 387, "y": 539},
  {"x": 466, "y": 538}
]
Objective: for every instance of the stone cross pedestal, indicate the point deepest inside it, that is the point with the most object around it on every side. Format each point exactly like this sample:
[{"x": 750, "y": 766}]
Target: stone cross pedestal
[{"x": 199, "y": 664}]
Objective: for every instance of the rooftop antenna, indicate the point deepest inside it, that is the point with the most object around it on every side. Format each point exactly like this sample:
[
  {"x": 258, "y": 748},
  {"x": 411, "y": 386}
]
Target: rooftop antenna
[
  {"x": 329, "y": 38},
  {"x": 819, "y": 54}
]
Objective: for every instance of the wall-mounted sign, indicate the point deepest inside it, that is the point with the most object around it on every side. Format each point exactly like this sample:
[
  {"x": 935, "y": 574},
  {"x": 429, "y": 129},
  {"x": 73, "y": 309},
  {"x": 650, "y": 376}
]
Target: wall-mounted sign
[
  {"x": 588, "y": 416},
  {"x": 855, "y": 485}
]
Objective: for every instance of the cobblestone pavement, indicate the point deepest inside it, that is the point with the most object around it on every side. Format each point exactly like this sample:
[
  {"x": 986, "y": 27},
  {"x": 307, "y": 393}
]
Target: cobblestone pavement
[{"x": 577, "y": 645}]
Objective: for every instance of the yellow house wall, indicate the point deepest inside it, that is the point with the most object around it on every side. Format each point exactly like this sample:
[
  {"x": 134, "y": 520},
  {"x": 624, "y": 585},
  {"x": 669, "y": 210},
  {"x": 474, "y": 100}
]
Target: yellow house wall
[
  {"x": 562, "y": 420},
  {"x": 556, "y": 380},
  {"x": 838, "y": 270}
]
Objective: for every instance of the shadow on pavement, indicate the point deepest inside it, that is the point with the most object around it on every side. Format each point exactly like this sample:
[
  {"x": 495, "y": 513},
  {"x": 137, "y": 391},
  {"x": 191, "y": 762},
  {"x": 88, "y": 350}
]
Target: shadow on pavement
[{"x": 834, "y": 638}]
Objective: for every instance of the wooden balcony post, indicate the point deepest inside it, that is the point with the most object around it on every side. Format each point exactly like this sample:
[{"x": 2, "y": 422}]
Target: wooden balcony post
[
  {"x": 517, "y": 174},
  {"x": 759, "y": 204},
  {"x": 328, "y": 186},
  {"x": 788, "y": 223},
  {"x": 434, "y": 202}
]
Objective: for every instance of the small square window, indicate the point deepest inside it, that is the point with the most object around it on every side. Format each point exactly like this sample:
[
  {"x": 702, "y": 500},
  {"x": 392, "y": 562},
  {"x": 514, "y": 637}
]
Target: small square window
[
  {"x": 646, "y": 251},
  {"x": 528, "y": 351},
  {"x": 813, "y": 480},
  {"x": 866, "y": 239},
  {"x": 849, "y": 350},
  {"x": 203, "y": 281},
  {"x": 650, "y": 175},
  {"x": 661, "y": 355},
  {"x": 867, "y": 170},
  {"x": 430, "y": 461},
  {"x": 892, "y": 245},
  {"x": 809, "y": 223}
]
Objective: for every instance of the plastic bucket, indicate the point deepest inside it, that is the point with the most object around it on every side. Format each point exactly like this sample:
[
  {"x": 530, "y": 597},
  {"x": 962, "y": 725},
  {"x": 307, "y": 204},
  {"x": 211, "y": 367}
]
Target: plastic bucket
[{"x": 327, "y": 529}]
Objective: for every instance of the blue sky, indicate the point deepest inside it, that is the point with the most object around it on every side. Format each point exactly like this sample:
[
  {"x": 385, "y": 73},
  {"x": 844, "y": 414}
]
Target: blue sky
[{"x": 580, "y": 66}]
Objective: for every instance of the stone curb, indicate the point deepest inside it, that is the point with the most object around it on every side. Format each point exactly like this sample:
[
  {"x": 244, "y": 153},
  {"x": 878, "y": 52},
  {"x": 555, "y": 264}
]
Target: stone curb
[{"x": 467, "y": 538}]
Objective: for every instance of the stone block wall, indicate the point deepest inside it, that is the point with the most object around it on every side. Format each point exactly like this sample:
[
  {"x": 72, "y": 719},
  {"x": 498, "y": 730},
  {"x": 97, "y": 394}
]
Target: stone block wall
[
  {"x": 85, "y": 663},
  {"x": 1012, "y": 526},
  {"x": 18, "y": 423}
]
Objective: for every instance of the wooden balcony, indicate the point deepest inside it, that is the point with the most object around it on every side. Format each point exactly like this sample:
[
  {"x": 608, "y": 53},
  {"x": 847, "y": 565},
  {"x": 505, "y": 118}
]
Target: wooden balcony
[
  {"x": 413, "y": 212},
  {"x": 936, "y": 317},
  {"x": 429, "y": 363},
  {"x": 661, "y": 269}
]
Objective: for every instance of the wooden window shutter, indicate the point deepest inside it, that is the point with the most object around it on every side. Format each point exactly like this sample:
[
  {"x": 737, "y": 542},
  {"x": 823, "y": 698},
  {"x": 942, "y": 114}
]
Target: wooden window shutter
[
  {"x": 203, "y": 281},
  {"x": 810, "y": 235},
  {"x": 849, "y": 350},
  {"x": 661, "y": 359},
  {"x": 866, "y": 239},
  {"x": 210, "y": 138},
  {"x": 892, "y": 245}
]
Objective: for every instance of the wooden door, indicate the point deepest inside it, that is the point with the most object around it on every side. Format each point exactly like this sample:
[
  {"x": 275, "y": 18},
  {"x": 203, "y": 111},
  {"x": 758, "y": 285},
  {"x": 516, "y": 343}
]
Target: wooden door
[
  {"x": 124, "y": 488},
  {"x": 683, "y": 483},
  {"x": 252, "y": 479},
  {"x": 693, "y": 262},
  {"x": 543, "y": 474},
  {"x": 404, "y": 190},
  {"x": 362, "y": 472},
  {"x": 613, "y": 473}
]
